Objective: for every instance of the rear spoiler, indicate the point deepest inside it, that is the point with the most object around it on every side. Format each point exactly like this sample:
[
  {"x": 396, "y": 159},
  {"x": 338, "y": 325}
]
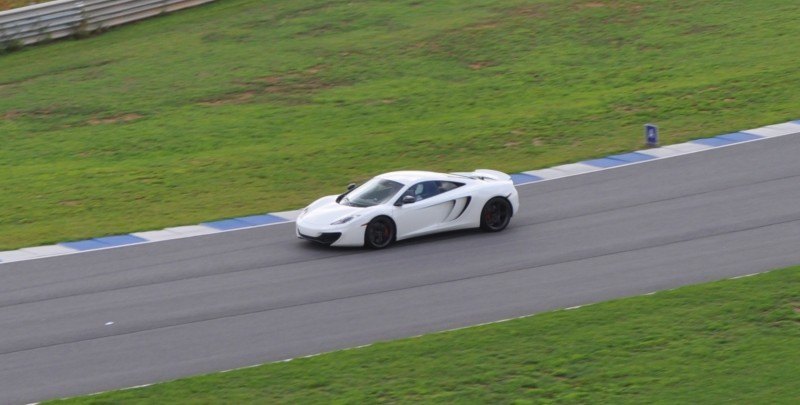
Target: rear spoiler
[{"x": 485, "y": 174}]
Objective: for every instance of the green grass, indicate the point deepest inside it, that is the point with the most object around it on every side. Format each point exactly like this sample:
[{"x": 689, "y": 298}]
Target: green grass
[
  {"x": 732, "y": 341},
  {"x": 244, "y": 106}
]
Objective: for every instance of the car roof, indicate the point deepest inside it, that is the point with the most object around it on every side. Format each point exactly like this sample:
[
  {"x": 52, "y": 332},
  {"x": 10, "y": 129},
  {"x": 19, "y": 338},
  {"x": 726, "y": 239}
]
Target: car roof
[{"x": 414, "y": 176}]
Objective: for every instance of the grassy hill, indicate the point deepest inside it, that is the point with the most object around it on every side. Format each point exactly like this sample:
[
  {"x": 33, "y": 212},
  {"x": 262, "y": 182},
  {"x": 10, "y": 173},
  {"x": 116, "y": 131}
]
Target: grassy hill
[{"x": 248, "y": 106}]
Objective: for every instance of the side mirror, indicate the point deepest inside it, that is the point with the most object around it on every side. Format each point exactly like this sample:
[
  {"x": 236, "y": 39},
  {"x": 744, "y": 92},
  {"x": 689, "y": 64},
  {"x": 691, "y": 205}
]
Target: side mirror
[
  {"x": 351, "y": 186},
  {"x": 407, "y": 199}
]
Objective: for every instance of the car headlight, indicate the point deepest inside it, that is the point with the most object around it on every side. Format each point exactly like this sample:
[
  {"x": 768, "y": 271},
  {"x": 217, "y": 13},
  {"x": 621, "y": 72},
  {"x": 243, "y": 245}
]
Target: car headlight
[
  {"x": 344, "y": 220},
  {"x": 303, "y": 212}
]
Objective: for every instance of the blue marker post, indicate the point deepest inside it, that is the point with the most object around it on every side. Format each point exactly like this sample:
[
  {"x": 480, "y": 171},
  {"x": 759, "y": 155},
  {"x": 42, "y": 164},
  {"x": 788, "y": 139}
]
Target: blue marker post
[{"x": 651, "y": 135}]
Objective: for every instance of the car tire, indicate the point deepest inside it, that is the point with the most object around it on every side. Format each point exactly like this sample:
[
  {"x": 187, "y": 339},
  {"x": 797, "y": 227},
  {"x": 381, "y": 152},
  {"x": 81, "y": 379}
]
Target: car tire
[
  {"x": 496, "y": 214},
  {"x": 380, "y": 233}
]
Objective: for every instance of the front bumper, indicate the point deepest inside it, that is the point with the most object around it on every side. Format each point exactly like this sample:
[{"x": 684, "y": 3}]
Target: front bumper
[
  {"x": 348, "y": 235},
  {"x": 325, "y": 238}
]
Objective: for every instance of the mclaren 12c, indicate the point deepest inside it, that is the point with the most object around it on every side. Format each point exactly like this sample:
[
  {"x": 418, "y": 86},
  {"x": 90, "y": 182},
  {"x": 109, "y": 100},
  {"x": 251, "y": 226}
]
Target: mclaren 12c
[{"x": 404, "y": 204}]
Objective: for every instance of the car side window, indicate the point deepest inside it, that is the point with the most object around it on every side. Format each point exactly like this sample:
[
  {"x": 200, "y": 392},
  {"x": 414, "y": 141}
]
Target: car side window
[
  {"x": 445, "y": 186},
  {"x": 428, "y": 189},
  {"x": 421, "y": 191}
]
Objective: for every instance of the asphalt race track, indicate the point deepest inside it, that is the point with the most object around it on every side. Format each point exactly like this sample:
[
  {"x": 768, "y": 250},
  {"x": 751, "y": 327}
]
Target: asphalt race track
[{"x": 234, "y": 299}]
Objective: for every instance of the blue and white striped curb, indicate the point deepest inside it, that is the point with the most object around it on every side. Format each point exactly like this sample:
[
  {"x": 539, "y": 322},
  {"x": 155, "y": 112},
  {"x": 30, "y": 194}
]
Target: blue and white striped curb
[
  {"x": 136, "y": 238},
  {"x": 533, "y": 176},
  {"x": 697, "y": 145}
]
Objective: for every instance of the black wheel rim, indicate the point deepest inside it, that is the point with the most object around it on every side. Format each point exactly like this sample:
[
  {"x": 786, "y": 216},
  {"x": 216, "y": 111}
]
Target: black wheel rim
[
  {"x": 496, "y": 214},
  {"x": 380, "y": 233}
]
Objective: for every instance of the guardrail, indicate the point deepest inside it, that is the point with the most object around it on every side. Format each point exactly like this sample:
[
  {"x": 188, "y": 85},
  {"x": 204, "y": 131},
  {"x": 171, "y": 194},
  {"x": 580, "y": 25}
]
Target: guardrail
[{"x": 61, "y": 18}]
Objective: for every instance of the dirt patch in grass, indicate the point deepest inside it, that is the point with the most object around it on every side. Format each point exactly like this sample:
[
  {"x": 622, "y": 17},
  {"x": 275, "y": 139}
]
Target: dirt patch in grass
[
  {"x": 633, "y": 8},
  {"x": 70, "y": 203},
  {"x": 291, "y": 85},
  {"x": 465, "y": 45},
  {"x": 10, "y": 115},
  {"x": 41, "y": 113},
  {"x": 300, "y": 83},
  {"x": 328, "y": 28},
  {"x": 385, "y": 101},
  {"x": 57, "y": 70},
  {"x": 530, "y": 11},
  {"x": 233, "y": 98},
  {"x": 593, "y": 4},
  {"x": 701, "y": 29},
  {"x": 480, "y": 65},
  {"x": 117, "y": 119}
]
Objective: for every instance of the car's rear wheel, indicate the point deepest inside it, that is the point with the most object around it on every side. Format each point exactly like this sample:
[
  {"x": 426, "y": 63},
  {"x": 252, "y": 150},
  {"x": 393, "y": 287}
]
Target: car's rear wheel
[
  {"x": 379, "y": 233},
  {"x": 496, "y": 215}
]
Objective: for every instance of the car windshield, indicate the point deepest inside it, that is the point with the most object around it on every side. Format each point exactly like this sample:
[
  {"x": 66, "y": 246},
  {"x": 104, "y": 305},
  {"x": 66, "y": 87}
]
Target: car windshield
[{"x": 373, "y": 192}]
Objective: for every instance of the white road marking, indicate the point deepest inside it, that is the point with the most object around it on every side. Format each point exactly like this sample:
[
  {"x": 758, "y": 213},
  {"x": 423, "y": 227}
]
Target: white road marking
[
  {"x": 194, "y": 230},
  {"x": 765, "y": 132},
  {"x": 17, "y": 255},
  {"x": 136, "y": 386},
  {"x": 547, "y": 174},
  {"x": 155, "y": 236},
  {"x": 661, "y": 152},
  {"x": 746, "y": 275},
  {"x": 48, "y": 250},
  {"x": 576, "y": 168},
  {"x": 689, "y": 147}
]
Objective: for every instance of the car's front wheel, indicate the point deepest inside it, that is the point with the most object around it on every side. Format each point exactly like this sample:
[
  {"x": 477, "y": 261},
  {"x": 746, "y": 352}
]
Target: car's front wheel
[
  {"x": 379, "y": 233},
  {"x": 496, "y": 215}
]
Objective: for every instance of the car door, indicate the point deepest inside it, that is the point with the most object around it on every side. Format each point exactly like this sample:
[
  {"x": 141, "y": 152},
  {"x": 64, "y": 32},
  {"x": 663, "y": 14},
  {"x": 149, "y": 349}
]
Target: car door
[{"x": 434, "y": 206}]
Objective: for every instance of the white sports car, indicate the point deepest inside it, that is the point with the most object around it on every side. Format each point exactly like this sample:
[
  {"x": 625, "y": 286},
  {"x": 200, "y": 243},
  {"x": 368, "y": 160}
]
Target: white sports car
[{"x": 405, "y": 204}]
